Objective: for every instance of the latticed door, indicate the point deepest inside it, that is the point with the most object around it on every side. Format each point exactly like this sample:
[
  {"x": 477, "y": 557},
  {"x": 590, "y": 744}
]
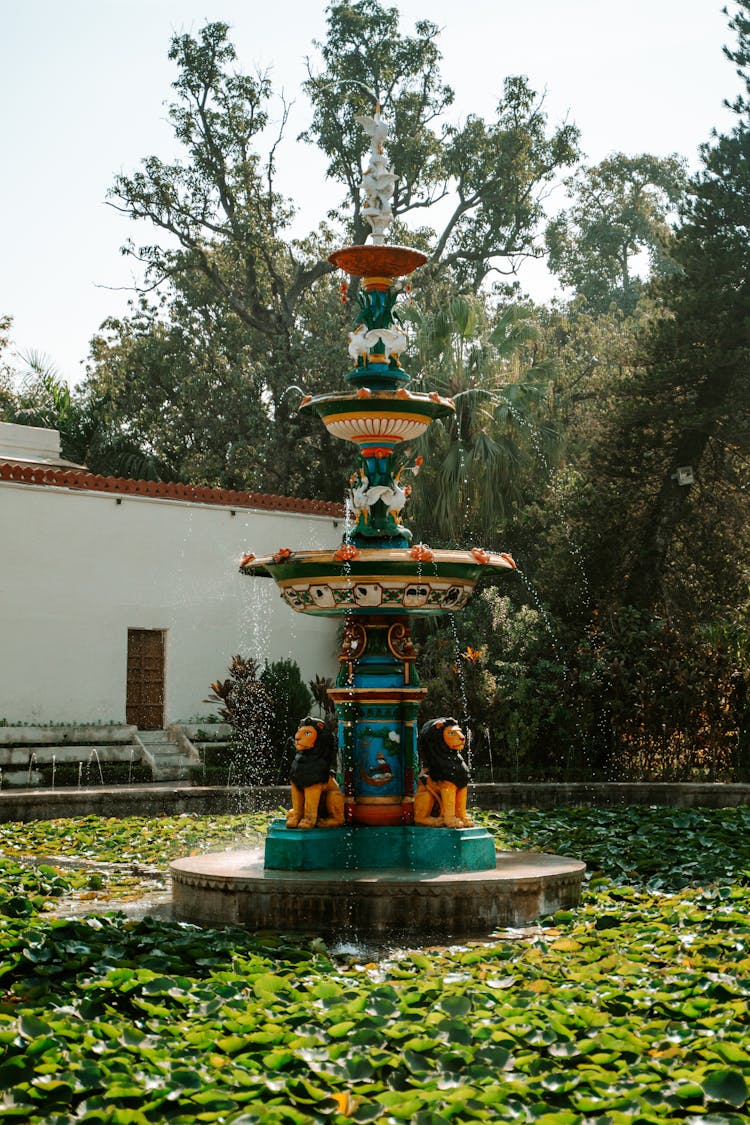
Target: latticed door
[{"x": 144, "y": 700}]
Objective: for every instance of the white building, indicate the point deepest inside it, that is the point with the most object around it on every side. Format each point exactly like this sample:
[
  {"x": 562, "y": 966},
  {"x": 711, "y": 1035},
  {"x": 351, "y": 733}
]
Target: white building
[{"x": 121, "y": 600}]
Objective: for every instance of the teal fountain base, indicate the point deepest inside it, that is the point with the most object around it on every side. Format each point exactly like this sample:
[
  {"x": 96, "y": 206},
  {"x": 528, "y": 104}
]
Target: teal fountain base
[{"x": 407, "y": 847}]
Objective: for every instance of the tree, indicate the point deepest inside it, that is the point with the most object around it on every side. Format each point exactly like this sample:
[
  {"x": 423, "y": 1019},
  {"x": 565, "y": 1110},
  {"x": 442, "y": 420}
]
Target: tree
[
  {"x": 477, "y": 460},
  {"x": 697, "y": 385},
  {"x": 620, "y": 209},
  {"x": 492, "y": 174},
  {"x": 223, "y": 226}
]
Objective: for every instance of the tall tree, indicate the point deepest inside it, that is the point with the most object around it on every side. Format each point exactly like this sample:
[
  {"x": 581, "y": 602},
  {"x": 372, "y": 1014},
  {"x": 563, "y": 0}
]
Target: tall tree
[
  {"x": 620, "y": 209},
  {"x": 223, "y": 225},
  {"x": 697, "y": 386},
  {"x": 492, "y": 175},
  {"x": 664, "y": 482}
]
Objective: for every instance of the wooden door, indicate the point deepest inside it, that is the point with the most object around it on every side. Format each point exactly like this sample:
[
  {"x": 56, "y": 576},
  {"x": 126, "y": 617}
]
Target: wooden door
[{"x": 144, "y": 700}]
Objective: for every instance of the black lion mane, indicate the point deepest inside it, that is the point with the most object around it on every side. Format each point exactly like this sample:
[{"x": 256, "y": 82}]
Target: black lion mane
[
  {"x": 442, "y": 763},
  {"x": 310, "y": 767}
]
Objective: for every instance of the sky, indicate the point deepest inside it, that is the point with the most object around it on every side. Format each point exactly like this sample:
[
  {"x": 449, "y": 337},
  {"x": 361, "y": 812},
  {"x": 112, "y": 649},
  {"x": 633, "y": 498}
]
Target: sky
[{"x": 84, "y": 83}]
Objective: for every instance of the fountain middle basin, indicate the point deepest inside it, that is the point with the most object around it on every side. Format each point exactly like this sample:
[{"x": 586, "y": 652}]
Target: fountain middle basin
[{"x": 353, "y": 581}]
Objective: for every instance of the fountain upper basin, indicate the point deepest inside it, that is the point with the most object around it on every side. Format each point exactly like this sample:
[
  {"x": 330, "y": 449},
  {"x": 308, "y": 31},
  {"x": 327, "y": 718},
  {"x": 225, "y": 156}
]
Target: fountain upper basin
[{"x": 365, "y": 580}]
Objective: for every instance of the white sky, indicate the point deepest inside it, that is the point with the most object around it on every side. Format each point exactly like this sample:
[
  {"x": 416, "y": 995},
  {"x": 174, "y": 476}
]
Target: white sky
[{"x": 83, "y": 85}]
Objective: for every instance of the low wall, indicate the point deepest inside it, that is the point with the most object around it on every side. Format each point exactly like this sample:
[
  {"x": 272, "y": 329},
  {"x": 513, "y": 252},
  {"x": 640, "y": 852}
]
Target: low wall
[
  {"x": 166, "y": 799},
  {"x": 546, "y": 795}
]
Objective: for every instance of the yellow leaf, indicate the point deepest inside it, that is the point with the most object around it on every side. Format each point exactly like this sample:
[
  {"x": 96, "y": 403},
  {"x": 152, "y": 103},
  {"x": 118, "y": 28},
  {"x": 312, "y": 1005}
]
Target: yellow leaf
[
  {"x": 343, "y": 1100},
  {"x": 539, "y": 986}
]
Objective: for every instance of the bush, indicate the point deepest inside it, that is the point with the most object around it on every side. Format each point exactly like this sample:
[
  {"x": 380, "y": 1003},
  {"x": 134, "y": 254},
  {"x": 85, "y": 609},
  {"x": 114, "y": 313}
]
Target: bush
[
  {"x": 290, "y": 702},
  {"x": 630, "y": 697}
]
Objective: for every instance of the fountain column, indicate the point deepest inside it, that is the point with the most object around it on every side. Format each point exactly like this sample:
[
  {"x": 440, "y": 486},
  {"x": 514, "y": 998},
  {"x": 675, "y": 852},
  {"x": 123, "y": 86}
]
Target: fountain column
[{"x": 377, "y": 697}]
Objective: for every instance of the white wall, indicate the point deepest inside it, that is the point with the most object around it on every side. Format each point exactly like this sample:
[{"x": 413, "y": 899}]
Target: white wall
[{"x": 79, "y": 568}]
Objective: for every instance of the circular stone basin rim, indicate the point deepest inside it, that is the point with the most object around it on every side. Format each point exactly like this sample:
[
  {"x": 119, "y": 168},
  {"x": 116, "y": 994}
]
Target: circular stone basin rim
[{"x": 232, "y": 888}]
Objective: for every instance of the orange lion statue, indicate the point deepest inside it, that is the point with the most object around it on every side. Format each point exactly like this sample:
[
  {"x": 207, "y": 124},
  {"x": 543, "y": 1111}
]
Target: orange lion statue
[
  {"x": 317, "y": 801},
  {"x": 440, "y": 799}
]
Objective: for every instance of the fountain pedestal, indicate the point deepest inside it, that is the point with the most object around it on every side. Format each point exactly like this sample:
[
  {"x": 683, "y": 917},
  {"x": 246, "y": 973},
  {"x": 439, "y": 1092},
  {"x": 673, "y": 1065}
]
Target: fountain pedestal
[{"x": 407, "y": 848}]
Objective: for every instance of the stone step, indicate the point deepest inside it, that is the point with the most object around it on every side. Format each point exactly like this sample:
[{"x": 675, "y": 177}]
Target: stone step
[{"x": 168, "y": 756}]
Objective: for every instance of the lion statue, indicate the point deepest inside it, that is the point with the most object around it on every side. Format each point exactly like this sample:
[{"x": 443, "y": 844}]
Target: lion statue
[
  {"x": 317, "y": 801},
  {"x": 440, "y": 799}
]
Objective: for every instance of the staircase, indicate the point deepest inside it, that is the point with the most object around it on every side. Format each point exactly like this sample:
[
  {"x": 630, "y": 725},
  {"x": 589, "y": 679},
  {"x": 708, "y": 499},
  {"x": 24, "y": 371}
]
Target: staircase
[{"x": 169, "y": 753}]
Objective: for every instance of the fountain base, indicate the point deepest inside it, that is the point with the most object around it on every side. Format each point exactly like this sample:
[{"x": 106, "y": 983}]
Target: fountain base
[
  {"x": 358, "y": 849},
  {"x": 231, "y": 888}
]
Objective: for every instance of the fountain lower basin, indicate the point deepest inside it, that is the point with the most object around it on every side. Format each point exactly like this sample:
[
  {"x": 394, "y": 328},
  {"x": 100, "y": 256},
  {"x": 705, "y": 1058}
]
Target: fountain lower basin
[{"x": 232, "y": 888}]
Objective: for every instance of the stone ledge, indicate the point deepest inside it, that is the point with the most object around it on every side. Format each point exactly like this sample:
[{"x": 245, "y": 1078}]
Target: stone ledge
[{"x": 170, "y": 799}]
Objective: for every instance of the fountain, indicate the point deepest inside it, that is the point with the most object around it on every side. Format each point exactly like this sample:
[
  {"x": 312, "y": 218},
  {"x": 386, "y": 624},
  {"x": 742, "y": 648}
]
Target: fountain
[{"x": 395, "y": 867}]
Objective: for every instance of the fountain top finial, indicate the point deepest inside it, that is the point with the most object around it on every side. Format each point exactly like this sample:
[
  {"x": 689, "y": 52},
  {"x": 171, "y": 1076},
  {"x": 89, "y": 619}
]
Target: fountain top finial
[
  {"x": 378, "y": 181},
  {"x": 377, "y": 259}
]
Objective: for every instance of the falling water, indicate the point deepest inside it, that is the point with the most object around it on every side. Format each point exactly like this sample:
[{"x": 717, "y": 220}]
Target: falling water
[
  {"x": 553, "y": 476},
  {"x": 54, "y": 766},
  {"x": 32, "y": 763},
  {"x": 558, "y": 651},
  {"x": 465, "y": 717}
]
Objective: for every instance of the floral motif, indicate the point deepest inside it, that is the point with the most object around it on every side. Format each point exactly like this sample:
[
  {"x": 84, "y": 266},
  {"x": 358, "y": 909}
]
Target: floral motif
[
  {"x": 510, "y": 560},
  {"x": 247, "y": 559},
  {"x": 305, "y": 400},
  {"x": 422, "y": 553},
  {"x": 346, "y": 552},
  {"x": 402, "y": 393},
  {"x": 434, "y": 396},
  {"x": 480, "y": 554},
  {"x": 364, "y": 392},
  {"x": 282, "y": 554}
]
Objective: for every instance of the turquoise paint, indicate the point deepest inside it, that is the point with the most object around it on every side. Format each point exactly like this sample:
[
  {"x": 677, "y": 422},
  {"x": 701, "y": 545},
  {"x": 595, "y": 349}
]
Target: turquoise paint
[{"x": 363, "y": 848}]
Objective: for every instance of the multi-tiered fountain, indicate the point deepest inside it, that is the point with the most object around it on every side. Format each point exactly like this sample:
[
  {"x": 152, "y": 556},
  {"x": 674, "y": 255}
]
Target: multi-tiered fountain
[{"x": 378, "y": 874}]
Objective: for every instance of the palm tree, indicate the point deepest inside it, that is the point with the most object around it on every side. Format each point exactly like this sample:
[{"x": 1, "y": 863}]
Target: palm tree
[{"x": 477, "y": 460}]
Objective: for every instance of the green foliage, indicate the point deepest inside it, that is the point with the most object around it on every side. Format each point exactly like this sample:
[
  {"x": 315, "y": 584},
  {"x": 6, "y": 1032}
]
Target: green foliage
[
  {"x": 631, "y": 698},
  {"x": 246, "y": 312},
  {"x": 479, "y": 461},
  {"x": 290, "y": 701},
  {"x": 678, "y": 401},
  {"x": 633, "y": 1007},
  {"x": 620, "y": 208},
  {"x": 326, "y": 707},
  {"x": 264, "y": 711},
  {"x": 492, "y": 172},
  {"x": 247, "y": 706}
]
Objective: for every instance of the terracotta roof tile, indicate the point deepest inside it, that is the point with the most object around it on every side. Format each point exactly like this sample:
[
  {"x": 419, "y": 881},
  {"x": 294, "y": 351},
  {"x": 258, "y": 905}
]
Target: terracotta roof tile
[{"x": 194, "y": 493}]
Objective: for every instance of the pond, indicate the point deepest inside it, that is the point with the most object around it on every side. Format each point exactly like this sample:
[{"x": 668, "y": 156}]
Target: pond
[{"x": 632, "y": 1008}]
